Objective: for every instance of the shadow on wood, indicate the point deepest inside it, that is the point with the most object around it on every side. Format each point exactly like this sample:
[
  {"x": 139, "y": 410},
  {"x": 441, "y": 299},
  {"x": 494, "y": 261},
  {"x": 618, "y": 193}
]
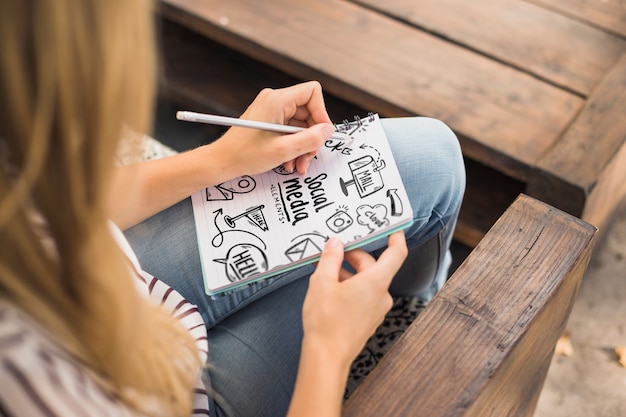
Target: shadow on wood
[{"x": 484, "y": 344}]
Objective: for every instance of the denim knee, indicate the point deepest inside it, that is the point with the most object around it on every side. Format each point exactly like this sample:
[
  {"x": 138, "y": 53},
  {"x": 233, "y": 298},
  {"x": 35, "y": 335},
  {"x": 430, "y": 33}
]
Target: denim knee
[{"x": 428, "y": 155}]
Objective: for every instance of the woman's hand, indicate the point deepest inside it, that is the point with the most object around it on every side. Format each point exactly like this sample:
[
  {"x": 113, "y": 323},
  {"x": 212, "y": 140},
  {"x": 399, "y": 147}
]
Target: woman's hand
[
  {"x": 341, "y": 311},
  {"x": 144, "y": 189},
  {"x": 250, "y": 151}
]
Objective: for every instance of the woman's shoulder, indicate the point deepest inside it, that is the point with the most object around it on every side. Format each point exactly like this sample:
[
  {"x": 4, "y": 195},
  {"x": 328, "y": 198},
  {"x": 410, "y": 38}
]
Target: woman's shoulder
[{"x": 39, "y": 377}]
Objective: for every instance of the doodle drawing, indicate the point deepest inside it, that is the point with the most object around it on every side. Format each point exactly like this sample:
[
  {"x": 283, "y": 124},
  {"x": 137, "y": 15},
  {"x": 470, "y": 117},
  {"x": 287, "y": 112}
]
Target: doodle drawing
[
  {"x": 305, "y": 246},
  {"x": 218, "y": 238},
  {"x": 243, "y": 261},
  {"x": 227, "y": 190},
  {"x": 373, "y": 217},
  {"x": 253, "y": 214},
  {"x": 339, "y": 221},
  {"x": 280, "y": 170},
  {"x": 396, "y": 202},
  {"x": 365, "y": 175}
]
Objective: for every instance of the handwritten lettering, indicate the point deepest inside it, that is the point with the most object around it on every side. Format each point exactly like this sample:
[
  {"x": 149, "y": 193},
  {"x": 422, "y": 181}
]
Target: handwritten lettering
[
  {"x": 338, "y": 146},
  {"x": 297, "y": 200}
]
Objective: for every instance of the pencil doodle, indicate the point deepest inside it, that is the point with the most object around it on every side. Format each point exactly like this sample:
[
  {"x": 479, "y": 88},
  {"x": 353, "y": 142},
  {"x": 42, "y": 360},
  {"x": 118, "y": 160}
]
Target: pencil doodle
[
  {"x": 365, "y": 176},
  {"x": 227, "y": 190},
  {"x": 339, "y": 221},
  {"x": 243, "y": 261},
  {"x": 365, "y": 146},
  {"x": 253, "y": 214},
  {"x": 281, "y": 170},
  {"x": 218, "y": 239},
  {"x": 305, "y": 246},
  {"x": 338, "y": 146},
  {"x": 395, "y": 201},
  {"x": 373, "y": 217}
]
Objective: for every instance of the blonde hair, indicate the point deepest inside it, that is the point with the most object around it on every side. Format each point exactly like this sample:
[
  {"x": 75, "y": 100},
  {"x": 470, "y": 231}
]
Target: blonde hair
[{"x": 74, "y": 75}]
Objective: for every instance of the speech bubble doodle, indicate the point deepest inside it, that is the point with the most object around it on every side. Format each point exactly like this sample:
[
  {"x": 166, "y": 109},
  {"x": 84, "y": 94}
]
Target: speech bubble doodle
[{"x": 243, "y": 261}]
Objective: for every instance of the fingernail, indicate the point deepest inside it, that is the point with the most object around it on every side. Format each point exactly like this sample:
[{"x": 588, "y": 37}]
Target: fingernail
[
  {"x": 329, "y": 130},
  {"x": 333, "y": 242}
]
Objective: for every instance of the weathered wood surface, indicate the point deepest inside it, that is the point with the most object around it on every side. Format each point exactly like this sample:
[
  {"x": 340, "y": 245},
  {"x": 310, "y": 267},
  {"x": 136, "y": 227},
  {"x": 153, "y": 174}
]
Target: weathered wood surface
[
  {"x": 585, "y": 172},
  {"x": 484, "y": 344},
  {"x": 208, "y": 77},
  {"x": 607, "y": 14},
  {"x": 506, "y": 118},
  {"x": 553, "y": 47},
  {"x": 511, "y": 79}
]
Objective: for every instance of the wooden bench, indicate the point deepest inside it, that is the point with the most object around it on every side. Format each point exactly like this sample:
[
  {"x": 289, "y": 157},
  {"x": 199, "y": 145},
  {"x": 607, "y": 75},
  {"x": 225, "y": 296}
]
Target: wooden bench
[
  {"x": 483, "y": 345},
  {"x": 535, "y": 89}
]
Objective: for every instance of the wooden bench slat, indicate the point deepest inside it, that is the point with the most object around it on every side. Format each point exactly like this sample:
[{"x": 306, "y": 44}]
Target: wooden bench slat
[
  {"x": 209, "y": 77},
  {"x": 201, "y": 75},
  {"x": 575, "y": 171},
  {"x": 483, "y": 345},
  {"x": 542, "y": 42},
  {"x": 610, "y": 15},
  {"x": 507, "y": 119}
]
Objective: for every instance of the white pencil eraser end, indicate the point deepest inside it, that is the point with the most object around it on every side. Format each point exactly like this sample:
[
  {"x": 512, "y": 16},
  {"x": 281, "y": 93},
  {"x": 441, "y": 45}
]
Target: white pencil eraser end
[{"x": 183, "y": 115}]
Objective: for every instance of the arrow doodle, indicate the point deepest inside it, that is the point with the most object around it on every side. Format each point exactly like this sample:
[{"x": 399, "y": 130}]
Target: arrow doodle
[{"x": 396, "y": 202}]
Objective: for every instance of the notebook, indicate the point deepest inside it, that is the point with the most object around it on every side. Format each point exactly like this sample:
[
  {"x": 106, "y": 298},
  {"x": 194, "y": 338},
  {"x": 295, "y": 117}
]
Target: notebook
[{"x": 254, "y": 227}]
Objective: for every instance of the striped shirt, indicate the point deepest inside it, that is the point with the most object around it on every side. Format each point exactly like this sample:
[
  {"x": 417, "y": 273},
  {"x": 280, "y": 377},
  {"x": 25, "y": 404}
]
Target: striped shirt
[{"x": 39, "y": 378}]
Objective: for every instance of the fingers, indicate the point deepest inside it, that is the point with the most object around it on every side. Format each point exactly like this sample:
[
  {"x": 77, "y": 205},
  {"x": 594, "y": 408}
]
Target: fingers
[
  {"x": 305, "y": 145},
  {"x": 396, "y": 251},
  {"x": 299, "y": 105},
  {"x": 387, "y": 264},
  {"x": 329, "y": 265},
  {"x": 360, "y": 260},
  {"x": 309, "y": 103}
]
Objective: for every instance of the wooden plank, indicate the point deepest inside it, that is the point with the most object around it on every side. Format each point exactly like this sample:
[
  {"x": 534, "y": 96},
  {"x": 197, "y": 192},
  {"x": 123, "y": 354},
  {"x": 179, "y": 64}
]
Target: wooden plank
[
  {"x": 203, "y": 76},
  {"x": 208, "y": 77},
  {"x": 483, "y": 345},
  {"x": 568, "y": 174},
  {"x": 488, "y": 194},
  {"x": 561, "y": 50},
  {"x": 607, "y": 196},
  {"x": 607, "y": 14},
  {"x": 507, "y": 118}
]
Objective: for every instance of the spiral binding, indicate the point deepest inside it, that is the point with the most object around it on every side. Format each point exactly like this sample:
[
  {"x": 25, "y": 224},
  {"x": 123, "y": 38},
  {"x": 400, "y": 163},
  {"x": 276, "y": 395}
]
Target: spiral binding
[{"x": 349, "y": 127}]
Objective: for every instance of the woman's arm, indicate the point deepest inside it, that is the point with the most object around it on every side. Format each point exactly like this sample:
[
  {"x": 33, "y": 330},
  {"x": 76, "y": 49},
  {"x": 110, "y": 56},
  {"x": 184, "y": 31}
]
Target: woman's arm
[
  {"x": 144, "y": 189},
  {"x": 141, "y": 190},
  {"x": 341, "y": 311}
]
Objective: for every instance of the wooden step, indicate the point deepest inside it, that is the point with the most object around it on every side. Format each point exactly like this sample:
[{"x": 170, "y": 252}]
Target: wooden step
[
  {"x": 585, "y": 172},
  {"x": 607, "y": 14},
  {"x": 531, "y": 38},
  {"x": 201, "y": 75},
  {"x": 506, "y": 118},
  {"x": 207, "y": 76}
]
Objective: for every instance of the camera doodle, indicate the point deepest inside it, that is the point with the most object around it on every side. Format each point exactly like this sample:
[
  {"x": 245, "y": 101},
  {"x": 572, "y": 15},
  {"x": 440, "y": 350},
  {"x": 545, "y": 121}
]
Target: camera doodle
[{"x": 339, "y": 221}]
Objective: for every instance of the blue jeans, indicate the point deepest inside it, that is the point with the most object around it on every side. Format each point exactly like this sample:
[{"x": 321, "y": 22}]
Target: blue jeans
[{"x": 255, "y": 332}]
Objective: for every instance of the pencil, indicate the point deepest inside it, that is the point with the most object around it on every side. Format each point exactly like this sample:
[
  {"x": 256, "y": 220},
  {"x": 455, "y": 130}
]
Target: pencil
[{"x": 232, "y": 121}]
